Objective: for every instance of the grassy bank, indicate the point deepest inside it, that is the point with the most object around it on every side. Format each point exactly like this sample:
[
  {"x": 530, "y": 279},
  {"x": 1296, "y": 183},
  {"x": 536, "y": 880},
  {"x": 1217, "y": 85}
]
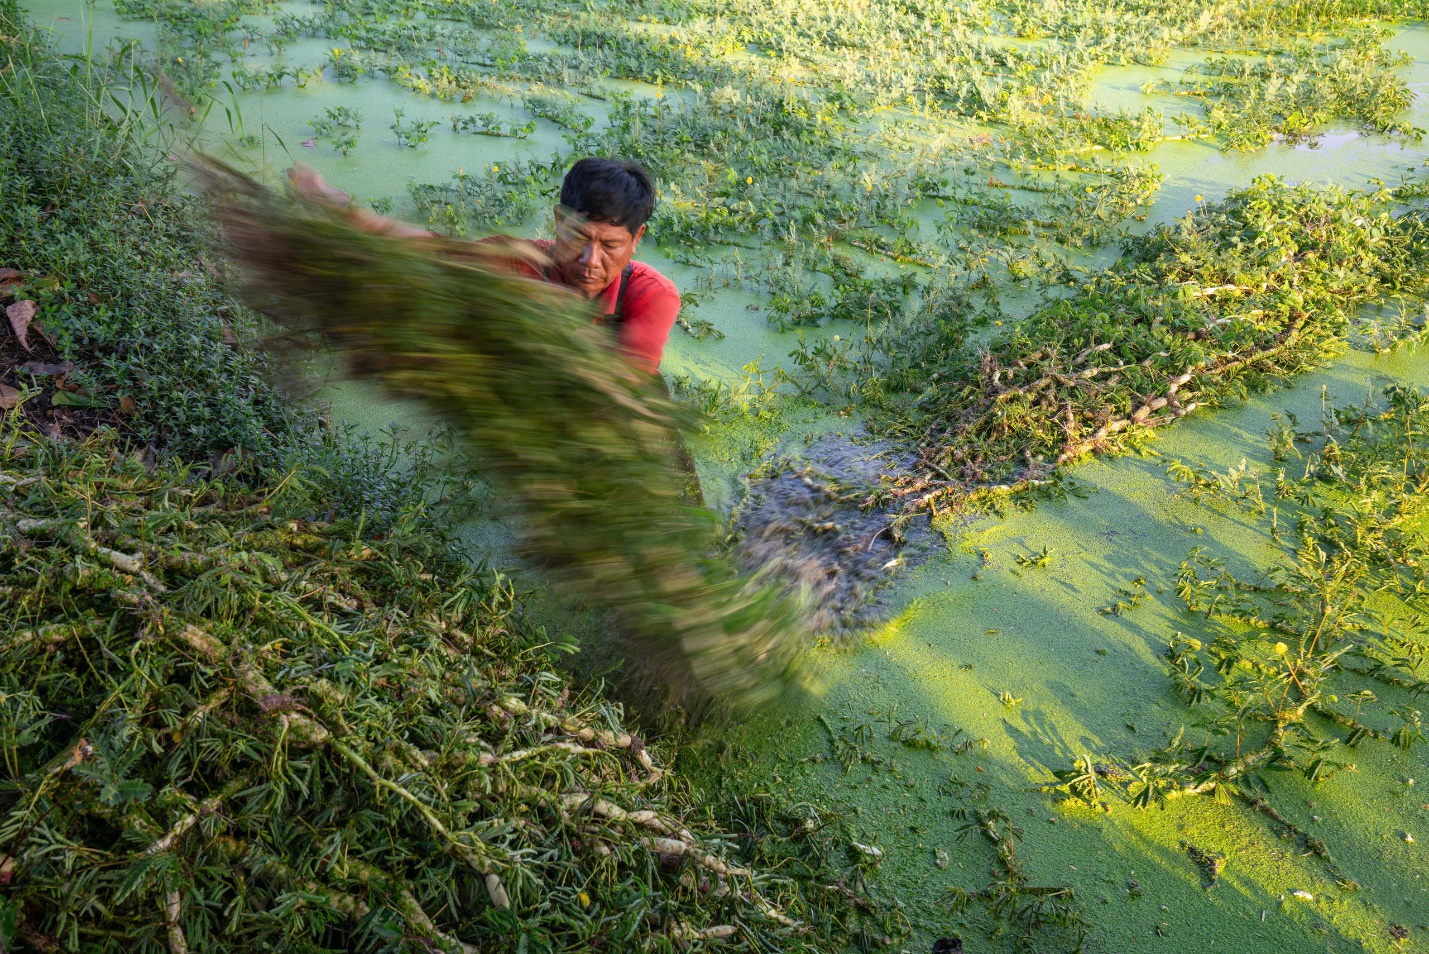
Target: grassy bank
[{"x": 114, "y": 258}]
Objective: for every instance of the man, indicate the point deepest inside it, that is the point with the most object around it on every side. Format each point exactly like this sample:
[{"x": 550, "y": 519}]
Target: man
[
  {"x": 600, "y": 220},
  {"x": 604, "y": 206}
]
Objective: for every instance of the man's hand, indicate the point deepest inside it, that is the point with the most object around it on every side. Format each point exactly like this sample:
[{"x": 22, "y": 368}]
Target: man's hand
[{"x": 308, "y": 182}]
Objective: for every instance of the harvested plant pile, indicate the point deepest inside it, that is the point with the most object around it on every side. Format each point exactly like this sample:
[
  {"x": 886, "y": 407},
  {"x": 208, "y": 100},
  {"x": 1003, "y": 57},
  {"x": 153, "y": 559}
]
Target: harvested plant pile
[
  {"x": 222, "y": 728},
  {"x": 582, "y": 442}
]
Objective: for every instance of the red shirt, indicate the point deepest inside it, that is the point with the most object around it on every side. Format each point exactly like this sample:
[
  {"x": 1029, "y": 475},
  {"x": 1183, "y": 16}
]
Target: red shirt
[{"x": 652, "y": 302}]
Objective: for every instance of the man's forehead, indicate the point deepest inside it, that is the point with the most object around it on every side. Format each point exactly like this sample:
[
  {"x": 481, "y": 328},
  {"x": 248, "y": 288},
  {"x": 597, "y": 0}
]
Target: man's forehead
[{"x": 600, "y": 231}]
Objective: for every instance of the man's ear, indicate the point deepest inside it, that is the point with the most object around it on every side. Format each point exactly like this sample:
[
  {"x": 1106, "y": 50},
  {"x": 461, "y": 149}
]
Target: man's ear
[{"x": 638, "y": 233}]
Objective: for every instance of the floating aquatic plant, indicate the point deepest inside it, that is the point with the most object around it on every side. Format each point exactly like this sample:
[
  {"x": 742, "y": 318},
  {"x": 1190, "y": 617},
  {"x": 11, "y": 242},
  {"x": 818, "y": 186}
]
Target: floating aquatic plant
[
  {"x": 1323, "y": 652},
  {"x": 1262, "y": 285}
]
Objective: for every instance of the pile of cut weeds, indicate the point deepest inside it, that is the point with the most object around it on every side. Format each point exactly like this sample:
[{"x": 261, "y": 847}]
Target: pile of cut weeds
[{"x": 219, "y": 720}]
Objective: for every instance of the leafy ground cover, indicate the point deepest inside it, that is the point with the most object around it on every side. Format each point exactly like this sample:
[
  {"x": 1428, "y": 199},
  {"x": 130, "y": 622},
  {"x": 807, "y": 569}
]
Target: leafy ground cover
[{"x": 106, "y": 252}]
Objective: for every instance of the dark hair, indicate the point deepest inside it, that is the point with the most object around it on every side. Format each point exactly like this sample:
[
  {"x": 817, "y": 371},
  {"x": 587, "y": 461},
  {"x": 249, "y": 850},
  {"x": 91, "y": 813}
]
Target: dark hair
[{"x": 616, "y": 191}]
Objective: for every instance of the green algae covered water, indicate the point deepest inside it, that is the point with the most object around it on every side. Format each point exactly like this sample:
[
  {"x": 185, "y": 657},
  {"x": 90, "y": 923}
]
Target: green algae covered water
[{"x": 1011, "y": 662}]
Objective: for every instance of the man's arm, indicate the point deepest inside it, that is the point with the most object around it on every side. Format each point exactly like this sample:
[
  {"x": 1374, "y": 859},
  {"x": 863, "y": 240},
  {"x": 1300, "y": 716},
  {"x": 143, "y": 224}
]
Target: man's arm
[{"x": 308, "y": 182}]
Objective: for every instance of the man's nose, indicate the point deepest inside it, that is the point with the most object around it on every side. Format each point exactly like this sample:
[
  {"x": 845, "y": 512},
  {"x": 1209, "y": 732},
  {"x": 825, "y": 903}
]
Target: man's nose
[{"x": 590, "y": 254}]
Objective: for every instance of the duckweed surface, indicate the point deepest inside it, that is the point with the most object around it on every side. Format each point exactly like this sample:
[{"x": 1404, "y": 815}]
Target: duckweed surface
[{"x": 855, "y": 199}]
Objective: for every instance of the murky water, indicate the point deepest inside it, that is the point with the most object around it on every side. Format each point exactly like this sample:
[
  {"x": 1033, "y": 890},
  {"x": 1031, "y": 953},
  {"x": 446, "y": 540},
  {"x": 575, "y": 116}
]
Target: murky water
[{"x": 968, "y": 627}]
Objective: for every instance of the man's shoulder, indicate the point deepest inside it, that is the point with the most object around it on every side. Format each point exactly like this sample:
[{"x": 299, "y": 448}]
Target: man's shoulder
[{"x": 646, "y": 279}]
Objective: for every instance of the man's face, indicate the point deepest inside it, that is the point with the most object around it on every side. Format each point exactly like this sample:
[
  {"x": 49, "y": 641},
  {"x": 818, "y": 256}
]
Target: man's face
[{"x": 590, "y": 255}]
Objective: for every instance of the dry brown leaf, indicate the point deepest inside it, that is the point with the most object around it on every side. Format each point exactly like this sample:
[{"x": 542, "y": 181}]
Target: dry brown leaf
[
  {"x": 127, "y": 405},
  {"x": 9, "y": 398},
  {"x": 36, "y": 328},
  {"x": 20, "y": 315},
  {"x": 41, "y": 369},
  {"x": 10, "y": 276},
  {"x": 93, "y": 298},
  {"x": 148, "y": 457},
  {"x": 229, "y": 461}
]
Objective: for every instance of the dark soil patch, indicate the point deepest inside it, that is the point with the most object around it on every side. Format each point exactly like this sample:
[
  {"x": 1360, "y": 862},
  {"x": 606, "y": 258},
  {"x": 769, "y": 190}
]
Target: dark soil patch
[
  {"x": 54, "y": 405},
  {"x": 827, "y": 522}
]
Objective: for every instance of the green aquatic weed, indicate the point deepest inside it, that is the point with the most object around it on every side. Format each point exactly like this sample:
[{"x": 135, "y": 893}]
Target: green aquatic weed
[
  {"x": 225, "y": 718},
  {"x": 489, "y": 124},
  {"x": 1039, "y": 560},
  {"x": 1293, "y": 95},
  {"x": 596, "y": 483},
  {"x": 411, "y": 134},
  {"x": 1282, "y": 653}
]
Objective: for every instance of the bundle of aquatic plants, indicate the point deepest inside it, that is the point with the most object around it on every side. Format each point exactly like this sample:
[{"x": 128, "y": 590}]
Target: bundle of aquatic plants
[
  {"x": 1264, "y": 284},
  {"x": 224, "y": 727},
  {"x": 580, "y": 440}
]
